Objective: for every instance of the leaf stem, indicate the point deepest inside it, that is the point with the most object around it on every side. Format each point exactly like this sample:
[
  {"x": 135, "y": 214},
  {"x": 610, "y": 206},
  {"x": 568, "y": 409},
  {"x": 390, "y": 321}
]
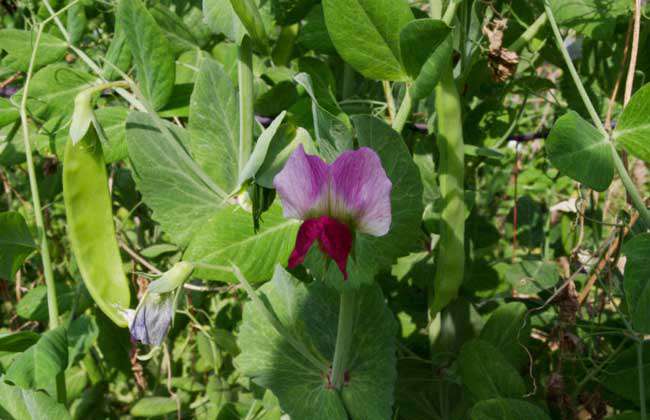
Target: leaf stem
[
  {"x": 403, "y": 112},
  {"x": 618, "y": 163},
  {"x": 529, "y": 33},
  {"x": 344, "y": 335},
  {"x": 246, "y": 112},
  {"x": 572, "y": 70},
  {"x": 639, "y": 361}
]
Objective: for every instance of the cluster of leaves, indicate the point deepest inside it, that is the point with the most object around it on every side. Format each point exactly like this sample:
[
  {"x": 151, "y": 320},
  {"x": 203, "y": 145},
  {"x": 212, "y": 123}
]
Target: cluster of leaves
[{"x": 549, "y": 319}]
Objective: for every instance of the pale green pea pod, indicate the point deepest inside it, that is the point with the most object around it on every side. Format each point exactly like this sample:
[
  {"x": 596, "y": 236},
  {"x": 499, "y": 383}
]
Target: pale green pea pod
[
  {"x": 450, "y": 263},
  {"x": 90, "y": 225}
]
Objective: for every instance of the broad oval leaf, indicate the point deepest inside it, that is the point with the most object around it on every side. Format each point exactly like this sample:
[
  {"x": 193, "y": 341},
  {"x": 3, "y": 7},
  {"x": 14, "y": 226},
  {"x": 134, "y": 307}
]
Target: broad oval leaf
[
  {"x": 507, "y": 329},
  {"x": 507, "y": 409},
  {"x": 418, "y": 40},
  {"x": 486, "y": 372},
  {"x": 532, "y": 276},
  {"x": 153, "y": 407},
  {"x": 228, "y": 237},
  {"x": 214, "y": 125},
  {"x": 580, "y": 151},
  {"x": 180, "y": 194},
  {"x": 633, "y": 126},
  {"x": 309, "y": 314},
  {"x": 16, "y": 243},
  {"x": 151, "y": 51},
  {"x": 637, "y": 281},
  {"x": 222, "y": 19},
  {"x": 39, "y": 365},
  {"x": 366, "y": 34},
  {"x": 21, "y": 403},
  {"x": 19, "y": 45},
  {"x": 16, "y": 342}
]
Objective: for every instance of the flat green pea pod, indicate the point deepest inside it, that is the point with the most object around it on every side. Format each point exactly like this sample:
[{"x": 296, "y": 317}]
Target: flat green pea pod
[
  {"x": 450, "y": 263},
  {"x": 90, "y": 225}
]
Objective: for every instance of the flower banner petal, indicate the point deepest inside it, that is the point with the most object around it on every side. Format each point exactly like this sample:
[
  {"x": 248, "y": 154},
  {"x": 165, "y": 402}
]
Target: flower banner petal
[
  {"x": 360, "y": 191},
  {"x": 302, "y": 185}
]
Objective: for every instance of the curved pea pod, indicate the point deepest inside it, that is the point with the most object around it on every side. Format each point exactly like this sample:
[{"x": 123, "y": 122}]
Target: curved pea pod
[{"x": 90, "y": 226}]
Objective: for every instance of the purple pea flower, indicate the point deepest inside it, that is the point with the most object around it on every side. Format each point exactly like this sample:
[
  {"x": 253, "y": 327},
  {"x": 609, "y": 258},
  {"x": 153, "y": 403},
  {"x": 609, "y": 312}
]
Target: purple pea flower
[{"x": 334, "y": 200}]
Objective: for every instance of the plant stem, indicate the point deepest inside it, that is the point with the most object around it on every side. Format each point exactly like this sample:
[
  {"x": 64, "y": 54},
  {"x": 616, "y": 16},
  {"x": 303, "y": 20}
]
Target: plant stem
[
  {"x": 572, "y": 70},
  {"x": 618, "y": 163},
  {"x": 52, "y": 304},
  {"x": 344, "y": 335},
  {"x": 403, "y": 112},
  {"x": 635, "y": 196},
  {"x": 529, "y": 33},
  {"x": 639, "y": 361},
  {"x": 390, "y": 101},
  {"x": 246, "y": 112},
  {"x": 450, "y": 13}
]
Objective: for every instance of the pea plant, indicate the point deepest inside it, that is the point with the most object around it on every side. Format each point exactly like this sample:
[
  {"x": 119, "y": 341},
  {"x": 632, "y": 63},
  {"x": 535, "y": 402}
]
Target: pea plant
[{"x": 324, "y": 210}]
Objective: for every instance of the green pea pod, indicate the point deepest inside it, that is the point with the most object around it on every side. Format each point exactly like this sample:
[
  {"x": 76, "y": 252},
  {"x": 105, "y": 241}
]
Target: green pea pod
[
  {"x": 90, "y": 226},
  {"x": 450, "y": 264}
]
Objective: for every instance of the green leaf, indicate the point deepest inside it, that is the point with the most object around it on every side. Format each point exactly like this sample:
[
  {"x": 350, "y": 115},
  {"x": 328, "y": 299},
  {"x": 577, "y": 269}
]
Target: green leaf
[
  {"x": 633, "y": 126},
  {"x": 151, "y": 51},
  {"x": 250, "y": 17},
  {"x": 313, "y": 34},
  {"x": 332, "y": 133},
  {"x": 637, "y": 281},
  {"x": 309, "y": 313},
  {"x": 291, "y": 11},
  {"x": 531, "y": 276},
  {"x": 8, "y": 112},
  {"x": 370, "y": 254},
  {"x": 153, "y": 407},
  {"x": 487, "y": 373},
  {"x": 622, "y": 375},
  {"x": 366, "y": 34},
  {"x": 53, "y": 89},
  {"x": 180, "y": 194},
  {"x": 507, "y": 409},
  {"x": 222, "y": 19},
  {"x": 593, "y": 18},
  {"x": 16, "y": 243},
  {"x": 39, "y": 365},
  {"x": 118, "y": 56},
  {"x": 214, "y": 126},
  {"x": 580, "y": 151},
  {"x": 285, "y": 142},
  {"x": 418, "y": 40},
  {"x": 17, "y": 403},
  {"x": 179, "y": 35},
  {"x": 261, "y": 149},
  {"x": 228, "y": 237},
  {"x": 82, "y": 334},
  {"x": 17, "y": 341},
  {"x": 508, "y": 331},
  {"x": 19, "y": 45}
]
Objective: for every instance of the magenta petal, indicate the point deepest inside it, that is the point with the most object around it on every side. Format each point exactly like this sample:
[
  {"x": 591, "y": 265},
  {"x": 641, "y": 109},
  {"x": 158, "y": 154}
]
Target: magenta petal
[
  {"x": 309, "y": 231},
  {"x": 334, "y": 238},
  {"x": 336, "y": 242},
  {"x": 302, "y": 185},
  {"x": 360, "y": 191}
]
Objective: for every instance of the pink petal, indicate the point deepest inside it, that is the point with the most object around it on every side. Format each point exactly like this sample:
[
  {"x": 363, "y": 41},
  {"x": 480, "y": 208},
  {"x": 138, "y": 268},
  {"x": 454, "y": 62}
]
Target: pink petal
[
  {"x": 360, "y": 191},
  {"x": 302, "y": 185},
  {"x": 334, "y": 238}
]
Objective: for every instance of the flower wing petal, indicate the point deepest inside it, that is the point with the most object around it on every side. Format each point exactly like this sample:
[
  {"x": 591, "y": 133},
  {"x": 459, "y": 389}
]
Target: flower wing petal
[
  {"x": 360, "y": 191},
  {"x": 302, "y": 185}
]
